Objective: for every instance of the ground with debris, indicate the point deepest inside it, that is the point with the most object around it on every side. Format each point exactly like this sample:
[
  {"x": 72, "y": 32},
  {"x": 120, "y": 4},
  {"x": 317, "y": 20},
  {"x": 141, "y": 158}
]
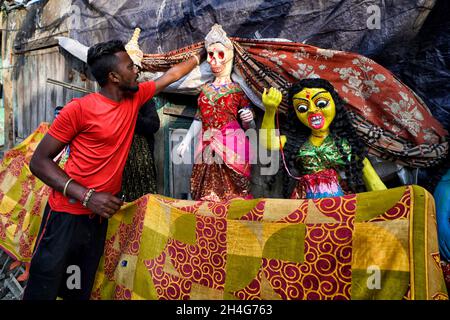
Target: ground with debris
[{"x": 10, "y": 288}]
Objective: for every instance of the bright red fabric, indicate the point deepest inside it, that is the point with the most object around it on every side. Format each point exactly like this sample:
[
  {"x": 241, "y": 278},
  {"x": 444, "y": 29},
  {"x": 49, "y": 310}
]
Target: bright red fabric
[
  {"x": 219, "y": 105},
  {"x": 99, "y": 131},
  {"x": 395, "y": 124}
]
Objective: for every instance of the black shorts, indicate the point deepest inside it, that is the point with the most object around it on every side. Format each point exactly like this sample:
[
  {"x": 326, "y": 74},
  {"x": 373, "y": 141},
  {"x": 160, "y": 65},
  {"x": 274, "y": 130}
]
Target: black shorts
[{"x": 66, "y": 257}]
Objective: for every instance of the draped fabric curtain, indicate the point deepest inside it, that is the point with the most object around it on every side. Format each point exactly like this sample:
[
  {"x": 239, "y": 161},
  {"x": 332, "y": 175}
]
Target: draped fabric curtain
[{"x": 392, "y": 120}]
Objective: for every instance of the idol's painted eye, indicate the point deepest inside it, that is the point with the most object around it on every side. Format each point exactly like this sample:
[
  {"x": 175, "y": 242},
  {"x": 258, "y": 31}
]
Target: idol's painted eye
[
  {"x": 302, "y": 108},
  {"x": 221, "y": 54},
  {"x": 211, "y": 54},
  {"x": 321, "y": 103}
]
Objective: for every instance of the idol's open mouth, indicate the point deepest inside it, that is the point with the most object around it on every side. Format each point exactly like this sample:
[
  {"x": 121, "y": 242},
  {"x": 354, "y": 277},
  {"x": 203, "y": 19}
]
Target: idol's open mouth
[{"x": 316, "y": 121}]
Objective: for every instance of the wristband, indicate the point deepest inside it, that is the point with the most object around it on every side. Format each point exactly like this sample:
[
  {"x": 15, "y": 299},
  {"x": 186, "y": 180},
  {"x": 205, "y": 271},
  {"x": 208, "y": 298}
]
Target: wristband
[
  {"x": 196, "y": 58},
  {"x": 66, "y": 185},
  {"x": 87, "y": 196}
]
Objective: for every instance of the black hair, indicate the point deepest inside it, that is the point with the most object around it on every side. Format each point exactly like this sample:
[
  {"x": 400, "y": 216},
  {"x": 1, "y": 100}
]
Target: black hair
[
  {"x": 340, "y": 128},
  {"x": 101, "y": 59},
  {"x": 58, "y": 110}
]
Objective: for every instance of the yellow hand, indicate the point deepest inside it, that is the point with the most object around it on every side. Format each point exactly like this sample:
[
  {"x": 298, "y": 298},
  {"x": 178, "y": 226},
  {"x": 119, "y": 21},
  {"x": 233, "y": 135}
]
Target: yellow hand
[
  {"x": 371, "y": 178},
  {"x": 271, "y": 99},
  {"x": 268, "y": 137}
]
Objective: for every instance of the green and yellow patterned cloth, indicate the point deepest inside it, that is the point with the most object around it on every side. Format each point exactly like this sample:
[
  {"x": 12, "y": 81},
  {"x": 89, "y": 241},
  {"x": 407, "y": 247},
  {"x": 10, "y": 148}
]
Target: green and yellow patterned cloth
[
  {"x": 349, "y": 247},
  {"x": 312, "y": 159},
  {"x": 22, "y": 198}
]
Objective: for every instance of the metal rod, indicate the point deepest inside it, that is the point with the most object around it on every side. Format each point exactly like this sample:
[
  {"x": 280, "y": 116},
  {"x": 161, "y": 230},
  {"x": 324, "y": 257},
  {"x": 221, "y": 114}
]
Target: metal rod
[{"x": 68, "y": 85}]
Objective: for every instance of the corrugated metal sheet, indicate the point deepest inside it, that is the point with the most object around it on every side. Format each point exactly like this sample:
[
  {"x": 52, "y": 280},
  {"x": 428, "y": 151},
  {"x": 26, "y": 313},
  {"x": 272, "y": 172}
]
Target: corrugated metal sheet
[
  {"x": 32, "y": 56},
  {"x": 34, "y": 99}
]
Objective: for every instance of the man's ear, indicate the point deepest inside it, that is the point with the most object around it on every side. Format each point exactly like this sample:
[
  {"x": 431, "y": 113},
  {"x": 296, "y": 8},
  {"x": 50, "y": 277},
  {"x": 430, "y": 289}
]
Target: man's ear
[{"x": 114, "y": 77}]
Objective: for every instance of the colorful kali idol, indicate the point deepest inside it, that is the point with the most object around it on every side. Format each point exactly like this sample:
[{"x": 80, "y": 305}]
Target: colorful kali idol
[
  {"x": 222, "y": 158},
  {"x": 330, "y": 157}
]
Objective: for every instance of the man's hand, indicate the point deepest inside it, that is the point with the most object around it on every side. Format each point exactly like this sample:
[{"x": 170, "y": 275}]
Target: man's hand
[
  {"x": 202, "y": 54},
  {"x": 104, "y": 204},
  {"x": 272, "y": 99}
]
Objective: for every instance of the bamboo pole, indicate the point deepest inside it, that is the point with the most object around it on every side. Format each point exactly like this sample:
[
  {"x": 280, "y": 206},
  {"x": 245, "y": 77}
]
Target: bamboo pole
[{"x": 68, "y": 85}]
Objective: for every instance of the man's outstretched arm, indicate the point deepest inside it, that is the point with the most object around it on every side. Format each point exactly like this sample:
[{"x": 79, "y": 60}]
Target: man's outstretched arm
[
  {"x": 43, "y": 167},
  {"x": 178, "y": 71}
]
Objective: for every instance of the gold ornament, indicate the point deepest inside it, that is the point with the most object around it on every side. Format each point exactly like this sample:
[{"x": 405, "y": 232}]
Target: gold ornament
[{"x": 133, "y": 50}]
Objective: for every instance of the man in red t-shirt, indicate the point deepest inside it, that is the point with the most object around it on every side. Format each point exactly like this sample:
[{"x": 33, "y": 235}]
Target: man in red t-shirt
[{"x": 99, "y": 129}]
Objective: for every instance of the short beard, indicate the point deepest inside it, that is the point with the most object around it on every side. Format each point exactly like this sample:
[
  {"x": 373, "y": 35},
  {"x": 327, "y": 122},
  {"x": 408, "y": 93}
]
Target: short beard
[{"x": 130, "y": 89}]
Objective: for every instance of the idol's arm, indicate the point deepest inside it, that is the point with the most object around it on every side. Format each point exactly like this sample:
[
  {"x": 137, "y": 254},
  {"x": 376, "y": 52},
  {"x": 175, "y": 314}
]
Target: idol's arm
[
  {"x": 371, "y": 179},
  {"x": 193, "y": 131},
  {"x": 268, "y": 138}
]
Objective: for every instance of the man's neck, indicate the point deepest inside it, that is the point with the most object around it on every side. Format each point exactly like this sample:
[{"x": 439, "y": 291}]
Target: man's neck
[{"x": 112, "y": 93}]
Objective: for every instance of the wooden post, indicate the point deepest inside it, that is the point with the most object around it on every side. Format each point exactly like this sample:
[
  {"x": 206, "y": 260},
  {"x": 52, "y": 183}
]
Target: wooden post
[{"x": 7, "y": 72}]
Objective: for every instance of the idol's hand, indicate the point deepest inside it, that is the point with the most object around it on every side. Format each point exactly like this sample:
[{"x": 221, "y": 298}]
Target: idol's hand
[
  {"x": 194, "y": 129},
  {"x": 246, "y": 115},
  {"x": 182, "y": 148},
  {"x": 272, "y": 99}
]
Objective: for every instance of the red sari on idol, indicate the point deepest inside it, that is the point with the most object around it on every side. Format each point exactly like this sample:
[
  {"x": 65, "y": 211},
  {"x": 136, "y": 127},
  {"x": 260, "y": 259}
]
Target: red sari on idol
[{"x": 221, "y": 169}]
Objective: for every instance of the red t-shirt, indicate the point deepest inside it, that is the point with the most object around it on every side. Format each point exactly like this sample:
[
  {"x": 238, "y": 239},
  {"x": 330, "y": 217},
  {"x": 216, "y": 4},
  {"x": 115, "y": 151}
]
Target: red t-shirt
[{"x": 99, "y": 131}]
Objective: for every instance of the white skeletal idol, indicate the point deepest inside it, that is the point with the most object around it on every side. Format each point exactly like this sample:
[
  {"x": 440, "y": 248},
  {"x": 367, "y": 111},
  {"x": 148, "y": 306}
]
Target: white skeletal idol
[{"x": 220, "y": 58}]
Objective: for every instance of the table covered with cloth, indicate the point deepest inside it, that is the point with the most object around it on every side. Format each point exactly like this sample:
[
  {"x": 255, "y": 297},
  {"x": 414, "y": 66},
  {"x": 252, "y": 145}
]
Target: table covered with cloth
[{"x": 375, "y": 245}]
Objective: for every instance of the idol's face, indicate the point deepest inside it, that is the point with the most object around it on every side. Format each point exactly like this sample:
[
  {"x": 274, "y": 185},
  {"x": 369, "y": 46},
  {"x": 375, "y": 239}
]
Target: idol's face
[
  {"x": 220, "y": 58},
  {"x": 315, "y": 108}
]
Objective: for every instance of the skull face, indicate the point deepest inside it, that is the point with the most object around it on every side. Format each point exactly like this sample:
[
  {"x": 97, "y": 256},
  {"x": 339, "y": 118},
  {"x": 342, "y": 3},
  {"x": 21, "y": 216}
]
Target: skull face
[{"x": 220, "y": 58}]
